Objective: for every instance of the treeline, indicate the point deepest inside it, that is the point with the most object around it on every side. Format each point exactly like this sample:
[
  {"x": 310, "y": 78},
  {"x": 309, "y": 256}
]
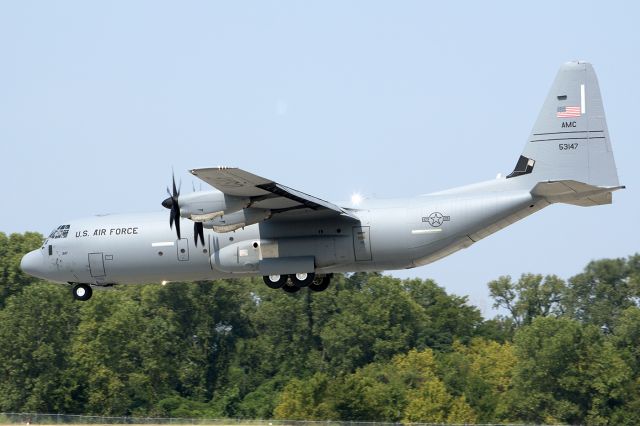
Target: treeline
[{"x": 371, "y": 347}]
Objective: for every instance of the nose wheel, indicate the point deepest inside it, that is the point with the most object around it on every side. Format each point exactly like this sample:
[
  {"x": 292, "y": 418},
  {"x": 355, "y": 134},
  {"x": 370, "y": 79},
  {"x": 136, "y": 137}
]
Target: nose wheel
[{"x": 82, "y": 292}]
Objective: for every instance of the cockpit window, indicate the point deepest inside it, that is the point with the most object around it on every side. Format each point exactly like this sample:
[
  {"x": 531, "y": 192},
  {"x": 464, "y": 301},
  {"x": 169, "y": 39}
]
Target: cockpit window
[{"x": 60, "y": 232}]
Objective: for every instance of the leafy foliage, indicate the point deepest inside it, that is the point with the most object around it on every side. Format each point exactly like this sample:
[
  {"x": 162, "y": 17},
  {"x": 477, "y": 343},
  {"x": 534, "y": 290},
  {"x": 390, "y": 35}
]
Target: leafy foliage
[
  {"x": 371, "y": 347},
  {"x": 12, "y": 248}
]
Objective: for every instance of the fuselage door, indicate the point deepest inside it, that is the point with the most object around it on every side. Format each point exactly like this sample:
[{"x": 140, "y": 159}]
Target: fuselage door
[
  {"x": 183, "y": 249},
  {"x": 96, "y": 265},
  {"x": 361, "y": 243}
]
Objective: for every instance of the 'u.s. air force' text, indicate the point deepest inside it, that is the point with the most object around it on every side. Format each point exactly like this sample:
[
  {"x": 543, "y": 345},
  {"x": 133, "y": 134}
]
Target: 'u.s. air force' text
[{"x": 103, "y": 232}]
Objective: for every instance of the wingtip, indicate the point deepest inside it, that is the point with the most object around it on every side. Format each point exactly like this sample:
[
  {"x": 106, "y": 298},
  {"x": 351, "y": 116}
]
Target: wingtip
[{"x": 195, "y": 171}]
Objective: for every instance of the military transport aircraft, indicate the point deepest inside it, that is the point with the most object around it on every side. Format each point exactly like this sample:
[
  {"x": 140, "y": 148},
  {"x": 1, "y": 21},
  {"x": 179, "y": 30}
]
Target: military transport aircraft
[{"x": 250, "y": 226}]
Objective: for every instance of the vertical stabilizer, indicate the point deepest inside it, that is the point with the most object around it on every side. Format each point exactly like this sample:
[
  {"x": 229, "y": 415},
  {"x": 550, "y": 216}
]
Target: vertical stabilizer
[{"x": 570, "y": 140}]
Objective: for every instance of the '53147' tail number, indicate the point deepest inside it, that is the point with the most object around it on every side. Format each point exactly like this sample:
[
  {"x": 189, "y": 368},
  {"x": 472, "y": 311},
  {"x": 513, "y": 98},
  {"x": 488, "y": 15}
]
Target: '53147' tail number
[{"x": 565, "y": 146}]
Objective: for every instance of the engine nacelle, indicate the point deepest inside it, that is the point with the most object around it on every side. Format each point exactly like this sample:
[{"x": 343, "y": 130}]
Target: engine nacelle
[
  {"x": 204, "y": 206},
  {"x": 240, "y": 219}
]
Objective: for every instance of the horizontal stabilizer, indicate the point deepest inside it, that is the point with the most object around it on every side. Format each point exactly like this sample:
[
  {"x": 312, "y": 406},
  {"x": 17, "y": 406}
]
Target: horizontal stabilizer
[{"x": 573, "y": 192}]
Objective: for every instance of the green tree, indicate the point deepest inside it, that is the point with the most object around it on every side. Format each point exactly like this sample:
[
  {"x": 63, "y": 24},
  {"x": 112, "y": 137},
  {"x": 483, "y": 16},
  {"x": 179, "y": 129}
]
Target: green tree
[
  {"x": 460, "y": 412},
  {"x": 138, "y": 346},
  {"x": 566, "y": 372},
  {"x": 12, "y": 248},
  {"x": 604, "y": 290},
  {"x": 428, "y": 403},
  {"x": 482, "y": 372},
  {"x": 532, "y": 296},
  {"x": 373, "y": 392},
  {"x": 427, "y": 398},
  {"x": 500, "y": 329},
  {"x": 306, "y": 399},
  {"x": 627, "y": 337},
  {"x": 371, "y": 323},
  {"x": 36, "y": 325},
  {"x": 106, "y": 354},
  {"x": 406, "y": 388},
  {"x": 449, "y": 317},
  {"x": 279, "y": 342}
]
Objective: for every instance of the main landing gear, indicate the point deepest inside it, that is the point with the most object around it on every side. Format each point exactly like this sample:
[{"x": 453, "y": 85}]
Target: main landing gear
[
  {"x": 82, "y": 292},
  {"x": 294, "y": 282}
]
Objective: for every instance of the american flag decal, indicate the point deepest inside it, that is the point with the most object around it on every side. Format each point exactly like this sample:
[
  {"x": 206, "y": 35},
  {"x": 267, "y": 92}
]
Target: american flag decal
[{"x": 568, "y": 111}]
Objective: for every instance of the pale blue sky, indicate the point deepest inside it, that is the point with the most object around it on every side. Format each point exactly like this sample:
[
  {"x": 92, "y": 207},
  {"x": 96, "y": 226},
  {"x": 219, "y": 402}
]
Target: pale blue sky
[{"x": 98, "y": 100}]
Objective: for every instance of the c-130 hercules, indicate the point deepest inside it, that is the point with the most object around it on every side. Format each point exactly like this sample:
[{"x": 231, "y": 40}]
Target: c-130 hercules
[{"x": 250, "y": 226}]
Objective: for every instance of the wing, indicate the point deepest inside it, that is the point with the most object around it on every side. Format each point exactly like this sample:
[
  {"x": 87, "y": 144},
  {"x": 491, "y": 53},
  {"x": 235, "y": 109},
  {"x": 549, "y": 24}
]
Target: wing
[{"x": 264, "y": 193}]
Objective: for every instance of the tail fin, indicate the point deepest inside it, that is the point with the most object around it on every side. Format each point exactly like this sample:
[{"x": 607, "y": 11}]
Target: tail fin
[{"x": 570, "y": 140}]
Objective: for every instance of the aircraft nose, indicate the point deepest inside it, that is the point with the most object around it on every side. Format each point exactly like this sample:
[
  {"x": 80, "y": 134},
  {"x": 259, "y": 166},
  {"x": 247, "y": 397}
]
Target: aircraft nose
[{"x": 32, "y": 263}]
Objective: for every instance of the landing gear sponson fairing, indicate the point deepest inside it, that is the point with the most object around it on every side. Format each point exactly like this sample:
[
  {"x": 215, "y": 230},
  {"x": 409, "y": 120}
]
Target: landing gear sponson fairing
[{"x": 252, "y": 226}]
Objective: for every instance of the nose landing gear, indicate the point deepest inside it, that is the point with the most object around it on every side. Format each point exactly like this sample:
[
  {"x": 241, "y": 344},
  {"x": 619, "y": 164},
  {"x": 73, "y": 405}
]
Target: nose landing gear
[{"x": 82, "y": 292}]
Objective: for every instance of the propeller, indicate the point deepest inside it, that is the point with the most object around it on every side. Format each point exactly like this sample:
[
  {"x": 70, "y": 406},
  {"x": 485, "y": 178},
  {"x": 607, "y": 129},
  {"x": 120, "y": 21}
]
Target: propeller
[{"x": 171, "y": 203}]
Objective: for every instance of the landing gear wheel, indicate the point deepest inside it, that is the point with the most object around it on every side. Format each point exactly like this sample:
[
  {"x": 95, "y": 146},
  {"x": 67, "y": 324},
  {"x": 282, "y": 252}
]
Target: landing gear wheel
[
  {"x": 275, "y": 281},
  {"x": 321, "y": 284},
  {"x": 302, "y": 279},
  {"x": 290, "y": 287},
  {"x": 82, "y": 292}
]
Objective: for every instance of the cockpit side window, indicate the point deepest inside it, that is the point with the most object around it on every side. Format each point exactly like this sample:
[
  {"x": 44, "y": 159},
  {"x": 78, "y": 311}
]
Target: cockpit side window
[{"x": 60, "y": 232}]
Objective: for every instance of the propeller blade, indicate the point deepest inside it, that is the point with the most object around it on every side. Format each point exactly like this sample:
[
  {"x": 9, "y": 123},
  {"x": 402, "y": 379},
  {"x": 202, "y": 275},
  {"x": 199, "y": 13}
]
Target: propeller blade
[
  {"x": 178, "y": 225},
  {"x": 198, "y": 231},
  {"x": 175, "y": 190},
  {"x": 172, "y": 203}
]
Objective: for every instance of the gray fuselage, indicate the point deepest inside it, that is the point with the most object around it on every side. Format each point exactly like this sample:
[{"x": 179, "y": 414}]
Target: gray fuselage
[{"x": 390, "y": 234}]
